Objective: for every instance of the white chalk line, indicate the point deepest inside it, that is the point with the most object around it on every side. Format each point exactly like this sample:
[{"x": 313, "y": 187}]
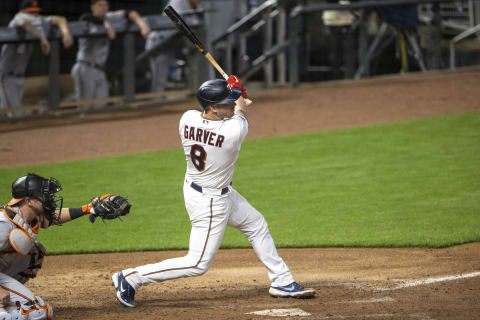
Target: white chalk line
[
  {"x": 419, "y": 316},
  {"x": 295, "y": 312},
  {"x": 431, "y": 280},
  {"x": 372, "y": 300}
]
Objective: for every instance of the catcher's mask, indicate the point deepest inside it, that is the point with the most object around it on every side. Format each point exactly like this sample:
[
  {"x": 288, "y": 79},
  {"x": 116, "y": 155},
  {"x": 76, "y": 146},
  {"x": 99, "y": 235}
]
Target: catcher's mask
[
  {"x": 216, "y": 92},
  {"x": 35, "y": 186}
]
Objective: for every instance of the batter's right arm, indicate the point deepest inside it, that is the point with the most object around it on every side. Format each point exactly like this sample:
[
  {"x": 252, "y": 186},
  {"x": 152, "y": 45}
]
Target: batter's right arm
[{"x": 241, "y": 107}]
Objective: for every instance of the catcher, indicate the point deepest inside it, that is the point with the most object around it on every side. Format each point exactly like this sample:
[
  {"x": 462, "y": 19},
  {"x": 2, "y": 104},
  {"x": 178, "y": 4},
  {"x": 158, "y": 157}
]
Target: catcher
[{"x": 36, "y": 205}]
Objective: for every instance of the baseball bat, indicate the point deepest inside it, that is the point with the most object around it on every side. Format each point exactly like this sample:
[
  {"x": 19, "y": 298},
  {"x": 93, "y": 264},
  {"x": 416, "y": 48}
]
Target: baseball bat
[{"x": 185, "y": 29}]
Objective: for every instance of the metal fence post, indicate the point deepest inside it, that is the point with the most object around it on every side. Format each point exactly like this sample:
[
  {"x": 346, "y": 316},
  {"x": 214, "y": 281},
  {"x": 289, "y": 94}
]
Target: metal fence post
[
  {"x": 436, "y": 37},
  {"x": 54, "y": 75},
  {"x": 281, "y": 58},
  {"x": 293, "y": 47},
  {"x": 129, "y": 67},
  {"x": 267, "y": 45},
  {"x": 363, "y": 46}
]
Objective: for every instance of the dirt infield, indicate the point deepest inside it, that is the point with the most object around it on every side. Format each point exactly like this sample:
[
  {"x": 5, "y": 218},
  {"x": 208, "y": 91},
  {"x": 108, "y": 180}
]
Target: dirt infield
[
  {"x": 347, "y": 283},
  {"x": 351, "y": 283}
]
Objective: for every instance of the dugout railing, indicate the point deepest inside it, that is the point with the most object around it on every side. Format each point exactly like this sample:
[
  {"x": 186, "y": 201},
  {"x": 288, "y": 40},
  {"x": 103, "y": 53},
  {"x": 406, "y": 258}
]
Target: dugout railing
[
  {"x": 300, "y": 11},
  {"x": 269, "y": 19},
  {"x": 130, "y": 60},
  {"x": 433, "y": 45},
  {"x": 280, "y": 23}
]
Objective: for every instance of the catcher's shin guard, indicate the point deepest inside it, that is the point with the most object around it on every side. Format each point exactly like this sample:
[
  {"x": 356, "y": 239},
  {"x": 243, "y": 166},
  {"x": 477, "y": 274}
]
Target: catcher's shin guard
[{"x": 33, "y": 310}]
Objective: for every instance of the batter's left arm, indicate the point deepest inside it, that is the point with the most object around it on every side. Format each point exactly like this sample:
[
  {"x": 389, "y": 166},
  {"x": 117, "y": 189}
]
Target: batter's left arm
[{"x": 241, "y": 107}]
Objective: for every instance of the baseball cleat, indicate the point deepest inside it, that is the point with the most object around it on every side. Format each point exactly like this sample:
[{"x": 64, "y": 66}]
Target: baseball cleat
[
  {"x": 293, "y": 290},
  {"x": 125, "y": 292}
]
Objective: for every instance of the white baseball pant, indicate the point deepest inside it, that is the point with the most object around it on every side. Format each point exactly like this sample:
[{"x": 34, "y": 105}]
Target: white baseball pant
[{"x": 210, "y": 213}]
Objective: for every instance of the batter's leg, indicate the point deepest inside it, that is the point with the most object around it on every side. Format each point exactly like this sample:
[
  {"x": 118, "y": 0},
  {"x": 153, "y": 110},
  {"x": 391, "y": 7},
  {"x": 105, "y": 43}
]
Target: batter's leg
[
  {"x": 250, "y": 222},
  {"x": 208, "y": 216}
]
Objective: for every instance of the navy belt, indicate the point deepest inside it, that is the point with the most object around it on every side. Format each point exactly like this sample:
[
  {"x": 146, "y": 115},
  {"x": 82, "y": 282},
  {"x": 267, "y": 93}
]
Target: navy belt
[{"x": 200, "y": 189}]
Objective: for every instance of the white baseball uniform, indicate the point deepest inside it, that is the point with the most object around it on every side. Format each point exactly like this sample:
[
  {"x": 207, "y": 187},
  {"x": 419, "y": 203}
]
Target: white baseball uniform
[
  {"x": 211, "y": 149},
  {"x": 88, "y": 72},
  {"x": 16, "y": 269},
  {"x": 14, "y": 60}
]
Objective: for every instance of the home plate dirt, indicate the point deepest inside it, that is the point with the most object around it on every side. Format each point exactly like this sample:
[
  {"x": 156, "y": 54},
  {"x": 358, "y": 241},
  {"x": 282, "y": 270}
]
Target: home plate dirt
[
  {"x": 351, "y": 283},
  {"x": 346, "y": 280}
]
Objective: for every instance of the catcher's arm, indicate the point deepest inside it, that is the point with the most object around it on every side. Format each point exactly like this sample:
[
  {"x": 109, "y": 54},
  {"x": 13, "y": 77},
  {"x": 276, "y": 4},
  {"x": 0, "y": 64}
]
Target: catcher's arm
[{"x": 107, "y": 207}]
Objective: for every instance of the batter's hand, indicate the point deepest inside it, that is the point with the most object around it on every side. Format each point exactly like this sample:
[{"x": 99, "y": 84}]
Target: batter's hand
[
  {"x": 4, "y": 297},
  {"x": 234, "y": 82},
  {"x": 244, "y": 93}
]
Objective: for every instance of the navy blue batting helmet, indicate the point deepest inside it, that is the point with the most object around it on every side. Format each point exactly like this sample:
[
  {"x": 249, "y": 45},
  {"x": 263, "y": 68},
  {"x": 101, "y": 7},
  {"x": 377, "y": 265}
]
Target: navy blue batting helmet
[{"x": 217, "y": 92}]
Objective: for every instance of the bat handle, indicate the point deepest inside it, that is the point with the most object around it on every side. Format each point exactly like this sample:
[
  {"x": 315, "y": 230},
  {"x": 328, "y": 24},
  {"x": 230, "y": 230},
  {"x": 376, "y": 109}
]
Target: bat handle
[{"x": 223, "y": 73}]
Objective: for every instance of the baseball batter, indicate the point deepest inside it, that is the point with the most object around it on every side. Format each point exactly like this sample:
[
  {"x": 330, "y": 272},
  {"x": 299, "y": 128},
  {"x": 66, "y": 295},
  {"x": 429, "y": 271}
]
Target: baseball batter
[
  {"x": 35, "y": 205},
  {"x": 88, "y": 73},
  {"x": 212, "y": 139},
  {"x": 15, "y": 56}
]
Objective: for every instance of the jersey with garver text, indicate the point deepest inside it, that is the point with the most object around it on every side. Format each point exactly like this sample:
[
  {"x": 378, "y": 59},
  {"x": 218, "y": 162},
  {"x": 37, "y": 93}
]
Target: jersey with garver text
[{"x": 211, "y": 148}]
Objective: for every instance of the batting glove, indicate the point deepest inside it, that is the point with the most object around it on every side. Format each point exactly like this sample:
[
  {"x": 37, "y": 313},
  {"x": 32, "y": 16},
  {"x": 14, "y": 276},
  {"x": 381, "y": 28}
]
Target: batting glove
[
  {"x": 234, "y": 82},
  {"x": 244, "y": 93}
]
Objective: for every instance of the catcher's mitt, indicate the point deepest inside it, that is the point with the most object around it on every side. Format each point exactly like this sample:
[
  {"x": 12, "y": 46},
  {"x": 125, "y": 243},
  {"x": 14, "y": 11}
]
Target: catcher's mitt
[{"x": 109, "y": 207}]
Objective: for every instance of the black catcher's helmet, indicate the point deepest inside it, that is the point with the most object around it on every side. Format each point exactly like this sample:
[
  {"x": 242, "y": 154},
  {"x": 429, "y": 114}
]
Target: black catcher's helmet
[
  {"x": 216, "y": 92},
  {"x": 35, "y": 186}
]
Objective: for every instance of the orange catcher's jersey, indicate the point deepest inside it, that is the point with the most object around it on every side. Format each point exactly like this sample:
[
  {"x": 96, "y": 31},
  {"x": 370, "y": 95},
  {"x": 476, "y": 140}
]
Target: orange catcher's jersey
[{"x": 211, "y": 148}]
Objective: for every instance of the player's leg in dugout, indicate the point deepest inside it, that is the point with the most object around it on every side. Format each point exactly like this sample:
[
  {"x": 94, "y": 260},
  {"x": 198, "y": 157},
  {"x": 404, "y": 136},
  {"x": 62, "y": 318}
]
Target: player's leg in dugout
[
  {"x": 11, "y": 93},
  {"x": 159, "y": 67},
  {"x": 209, "y": 216},
  {"x": 250, "y": 222},
  {"x": 101, "y": 88},
  {"x": 83, "y": 82}
]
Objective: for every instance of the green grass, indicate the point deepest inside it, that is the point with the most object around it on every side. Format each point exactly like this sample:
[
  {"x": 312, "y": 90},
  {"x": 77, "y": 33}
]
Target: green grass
[{"x": 414, "y": 183}]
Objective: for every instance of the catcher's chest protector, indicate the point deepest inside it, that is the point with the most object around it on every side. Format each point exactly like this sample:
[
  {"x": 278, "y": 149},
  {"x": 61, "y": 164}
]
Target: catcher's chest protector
[{"x": 22, "y": 235}]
